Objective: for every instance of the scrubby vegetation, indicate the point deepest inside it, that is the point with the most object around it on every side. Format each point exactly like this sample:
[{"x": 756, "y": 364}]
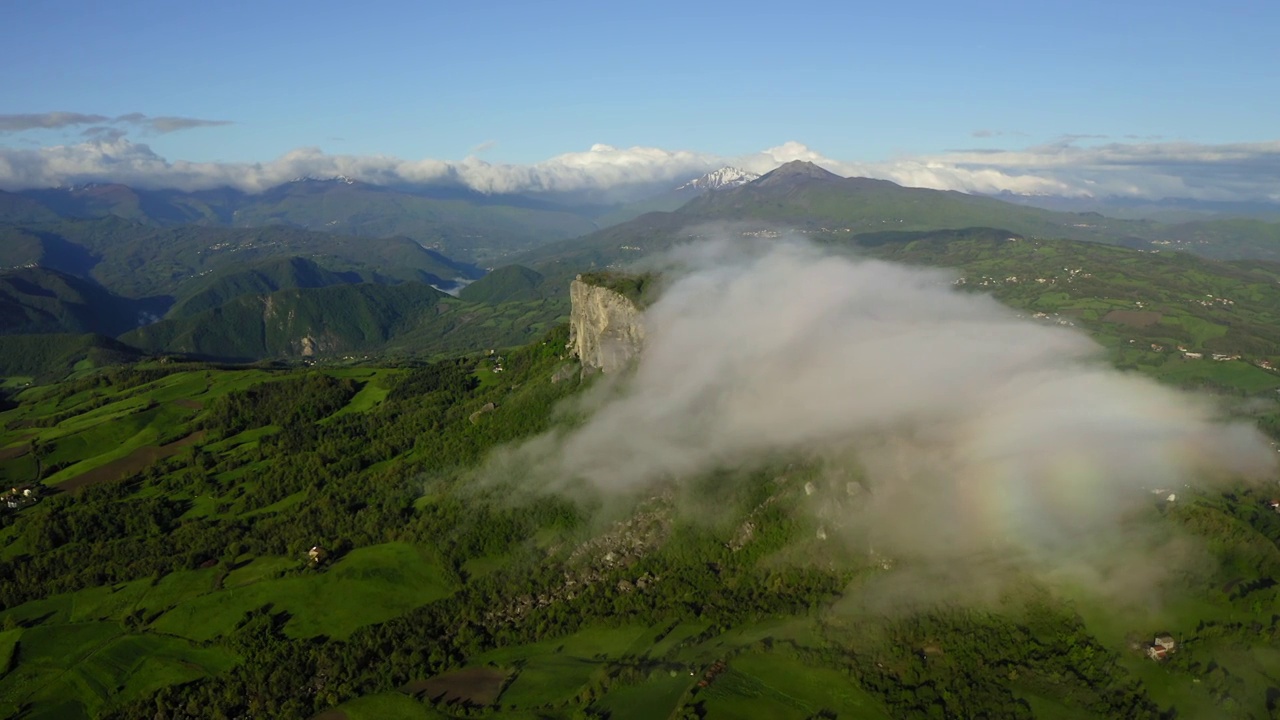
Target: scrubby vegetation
[{"x": 640, "y": 288}]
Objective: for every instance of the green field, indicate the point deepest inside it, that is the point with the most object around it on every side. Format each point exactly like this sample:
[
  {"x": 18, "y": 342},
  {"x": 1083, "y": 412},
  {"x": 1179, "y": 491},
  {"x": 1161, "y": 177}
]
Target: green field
[
  {"x": 548, "y": 680},
  {"x": 384, "y": 706},
  {"x": 369, "y": 585},
  {"x": 375, "y": 385},
  {"x": 75, "y": 670},
  {"x": 8, "y": 645},
  {"x": 679, "y": 634},
  {"x": 774, "y": 685},
  {"x": 654, "y": 698},
  {"x": 113, "y": 602}
]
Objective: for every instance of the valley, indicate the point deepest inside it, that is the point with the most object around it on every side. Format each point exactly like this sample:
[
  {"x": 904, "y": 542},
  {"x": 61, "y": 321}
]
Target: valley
[{"x": 319, "y": 479}]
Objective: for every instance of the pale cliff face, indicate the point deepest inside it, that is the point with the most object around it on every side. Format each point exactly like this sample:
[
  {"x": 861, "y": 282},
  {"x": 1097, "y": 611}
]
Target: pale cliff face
[{"x": 606, "y": 329}]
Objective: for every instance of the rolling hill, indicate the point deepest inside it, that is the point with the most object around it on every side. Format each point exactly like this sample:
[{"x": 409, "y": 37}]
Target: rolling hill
[{"x": 512, "y": 282}]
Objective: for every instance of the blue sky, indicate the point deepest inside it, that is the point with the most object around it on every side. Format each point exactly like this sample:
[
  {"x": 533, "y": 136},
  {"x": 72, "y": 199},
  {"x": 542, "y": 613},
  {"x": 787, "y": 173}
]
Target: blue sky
[
  {"x": 868, "y": 82},
  {"x": 1172, "y": 99}
]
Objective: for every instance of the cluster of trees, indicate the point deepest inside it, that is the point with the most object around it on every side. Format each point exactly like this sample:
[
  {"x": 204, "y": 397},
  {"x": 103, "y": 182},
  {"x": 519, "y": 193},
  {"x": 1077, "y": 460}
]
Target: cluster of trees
[
  {"x": 951, "y": 663},
  {"x": 290, "y": 402}
]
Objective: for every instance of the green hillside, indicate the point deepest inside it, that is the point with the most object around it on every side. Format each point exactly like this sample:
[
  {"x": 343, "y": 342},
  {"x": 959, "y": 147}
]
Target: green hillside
[
  {"x": 505, "y": 284},
  {"x": 50, "y": 356},
  {"x": 38, "y": 300},
  {"x": 15, "y": 208},
  {"x": 296, "y": 322},
  {"x": 337, "y": 322},
  {"x": 1222, "y": 238},
  {"x": 1144, "y": 305},
  {"x": 226, "y": 284},
  {"x": 271, "y": 293}
]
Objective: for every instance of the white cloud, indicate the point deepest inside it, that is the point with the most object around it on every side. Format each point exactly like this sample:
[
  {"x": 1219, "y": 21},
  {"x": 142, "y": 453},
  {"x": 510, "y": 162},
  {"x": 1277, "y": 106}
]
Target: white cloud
[
  {"x": 115, "y": 159},
  {"x": 1237, "y": 171},
  {"x": 1153, "y": 170},
  {"x": 927, "y": 406}
]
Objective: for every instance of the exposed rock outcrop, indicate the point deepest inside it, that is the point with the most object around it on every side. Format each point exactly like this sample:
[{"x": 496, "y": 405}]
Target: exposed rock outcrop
[{"x": 606, "y": 329}]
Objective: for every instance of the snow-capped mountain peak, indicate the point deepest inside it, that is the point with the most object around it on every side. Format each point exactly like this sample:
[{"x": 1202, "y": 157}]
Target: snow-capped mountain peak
[{"x": 725, "y": 177}]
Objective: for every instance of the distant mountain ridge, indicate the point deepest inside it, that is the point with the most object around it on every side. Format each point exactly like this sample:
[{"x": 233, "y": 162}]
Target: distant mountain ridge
[
  {"x": 138, "y": 260},
  {"x": 803, "y": 197},
  {"x": 467, "y": 225},
  {"x": 494, "y": 229}
]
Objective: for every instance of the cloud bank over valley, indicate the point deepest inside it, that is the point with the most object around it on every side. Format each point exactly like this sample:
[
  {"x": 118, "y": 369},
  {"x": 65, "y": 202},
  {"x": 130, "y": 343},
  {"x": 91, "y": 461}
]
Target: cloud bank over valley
[{"x": 948, "y": 426}]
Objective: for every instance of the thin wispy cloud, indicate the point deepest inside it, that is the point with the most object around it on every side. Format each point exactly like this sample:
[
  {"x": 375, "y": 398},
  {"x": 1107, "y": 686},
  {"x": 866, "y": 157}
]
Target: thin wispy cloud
[
  {"x": 1152, "y": 170},
  {"x": 1073, "y": 137},
  {"x": 22, "y": 122},
  {"x": 159, "y": 125},
  {"x": 989, "y": 133},
  {"x": 103, "y": 133},
  {"x": 168, "y": 124}
]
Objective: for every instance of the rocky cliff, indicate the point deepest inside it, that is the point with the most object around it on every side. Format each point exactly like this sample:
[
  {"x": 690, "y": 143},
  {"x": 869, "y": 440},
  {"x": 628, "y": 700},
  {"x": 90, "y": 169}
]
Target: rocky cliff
[{"x": 606, "y": 329}]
